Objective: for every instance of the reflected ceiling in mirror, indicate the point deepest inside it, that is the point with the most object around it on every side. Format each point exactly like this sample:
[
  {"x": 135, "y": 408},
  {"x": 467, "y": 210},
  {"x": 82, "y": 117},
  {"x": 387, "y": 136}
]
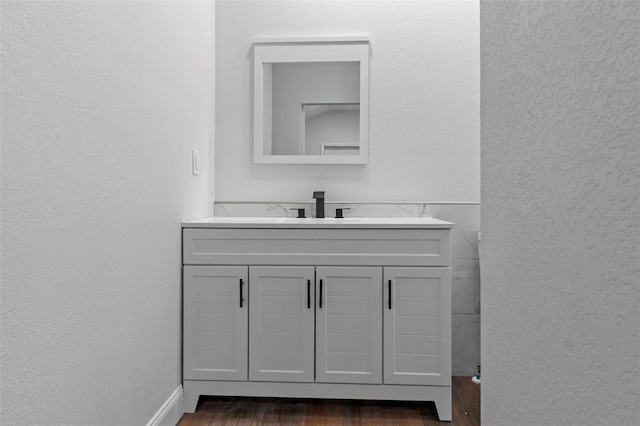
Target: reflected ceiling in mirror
[{"x": 311, "y": 102}]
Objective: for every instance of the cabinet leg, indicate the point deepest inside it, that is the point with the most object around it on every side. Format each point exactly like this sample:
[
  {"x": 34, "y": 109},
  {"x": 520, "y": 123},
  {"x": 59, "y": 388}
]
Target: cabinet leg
[
  {"x": 443, "y": 405},
  {"x": 191, "y": 397}
]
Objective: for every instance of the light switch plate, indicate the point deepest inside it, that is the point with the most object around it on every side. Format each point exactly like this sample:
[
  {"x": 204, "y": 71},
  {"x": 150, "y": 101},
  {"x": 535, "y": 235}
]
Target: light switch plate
[{"x": 195, "y": 163}]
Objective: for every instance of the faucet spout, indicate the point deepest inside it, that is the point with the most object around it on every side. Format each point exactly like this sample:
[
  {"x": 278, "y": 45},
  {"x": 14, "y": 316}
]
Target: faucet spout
[{"x": 319, "y": 196}]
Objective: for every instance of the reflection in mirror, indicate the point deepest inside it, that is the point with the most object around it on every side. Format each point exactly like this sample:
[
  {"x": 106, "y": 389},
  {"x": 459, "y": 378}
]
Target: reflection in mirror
[
  {"x": 311, "y": 102},
  {"x": 289, "y": 86},
  {"x": 331, "y": 129}
]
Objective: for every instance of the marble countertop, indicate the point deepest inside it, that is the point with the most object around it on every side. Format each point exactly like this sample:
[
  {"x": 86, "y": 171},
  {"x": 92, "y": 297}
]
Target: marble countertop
[{"x": 347, "y": 222}]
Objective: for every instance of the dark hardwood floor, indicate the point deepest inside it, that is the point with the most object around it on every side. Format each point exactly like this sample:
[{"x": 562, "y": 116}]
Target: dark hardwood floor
[{"x": 290, "y": 411}]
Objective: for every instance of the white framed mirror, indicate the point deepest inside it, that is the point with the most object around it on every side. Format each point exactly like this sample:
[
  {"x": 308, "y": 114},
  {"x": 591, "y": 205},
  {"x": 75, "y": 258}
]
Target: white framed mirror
[{"x": 311, "y": 101}]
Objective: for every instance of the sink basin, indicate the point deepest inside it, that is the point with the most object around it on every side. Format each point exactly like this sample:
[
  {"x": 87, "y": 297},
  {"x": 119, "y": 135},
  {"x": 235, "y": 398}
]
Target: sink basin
[{"x": 311, "y": 220}]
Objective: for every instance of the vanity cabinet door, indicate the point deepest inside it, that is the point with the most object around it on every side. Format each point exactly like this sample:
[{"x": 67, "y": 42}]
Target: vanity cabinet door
[
  {"x": 281, "y": 325},
  {"x": 215, "y": 323},
  {"x": 417, "y": 326},
  {"x": 349, "y": 325}
]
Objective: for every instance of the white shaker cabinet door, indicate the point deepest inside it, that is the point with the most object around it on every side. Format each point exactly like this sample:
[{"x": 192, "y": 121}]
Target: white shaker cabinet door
[
  {"x": 349, "y": 325},
  {"x": 417, "y": 326},
  {"x": 281, "y": 323},
  {"x": 215, "y": 323}
]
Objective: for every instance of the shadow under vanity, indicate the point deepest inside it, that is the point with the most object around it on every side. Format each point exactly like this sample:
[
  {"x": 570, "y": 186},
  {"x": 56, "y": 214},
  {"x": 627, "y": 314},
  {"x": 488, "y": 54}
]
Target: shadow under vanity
[{"x": 318, "y": 308}]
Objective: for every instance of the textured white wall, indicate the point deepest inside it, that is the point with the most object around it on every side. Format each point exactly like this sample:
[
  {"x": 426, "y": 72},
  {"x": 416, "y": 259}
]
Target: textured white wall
[
  {"x": 560, "y": 213},
  {"x": 424, "y": 100},
  {"x": 102, "y": 103}
]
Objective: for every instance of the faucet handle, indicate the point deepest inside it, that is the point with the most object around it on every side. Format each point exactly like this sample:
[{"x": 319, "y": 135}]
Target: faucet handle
[
  {"x": 301, "y": 214},
  {"x": 339, "y": 212}
]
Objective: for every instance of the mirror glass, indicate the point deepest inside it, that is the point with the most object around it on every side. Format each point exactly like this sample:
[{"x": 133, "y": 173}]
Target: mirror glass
[
  {"x": 310, "y": 103},
  {"x": 310, "y": 108}
]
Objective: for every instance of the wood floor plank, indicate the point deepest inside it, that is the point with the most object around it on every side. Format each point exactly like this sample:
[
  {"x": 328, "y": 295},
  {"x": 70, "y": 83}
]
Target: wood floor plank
[{"x": 331, "y": 412}]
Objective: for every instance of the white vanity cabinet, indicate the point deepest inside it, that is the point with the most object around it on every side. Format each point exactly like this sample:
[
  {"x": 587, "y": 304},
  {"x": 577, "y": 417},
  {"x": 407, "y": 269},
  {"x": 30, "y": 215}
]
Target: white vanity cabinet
[
  {"x": 417, "y": 348},
  {"x": 319, "y": 324},
  {"x": 317, "y": 308},
  {"x": 215, "y": 324},
  {"x": 281, "y": 329},
  {"x": 349, "y": 324}
]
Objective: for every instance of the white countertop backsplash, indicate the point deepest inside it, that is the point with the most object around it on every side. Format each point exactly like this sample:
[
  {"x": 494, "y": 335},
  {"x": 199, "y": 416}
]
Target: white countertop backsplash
[{"x": 292, "y": 222}]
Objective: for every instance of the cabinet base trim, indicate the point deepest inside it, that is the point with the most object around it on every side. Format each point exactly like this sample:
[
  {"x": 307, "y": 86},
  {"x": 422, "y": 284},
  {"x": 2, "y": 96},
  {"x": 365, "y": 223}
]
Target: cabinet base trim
[{"x": 441, "y": 395}]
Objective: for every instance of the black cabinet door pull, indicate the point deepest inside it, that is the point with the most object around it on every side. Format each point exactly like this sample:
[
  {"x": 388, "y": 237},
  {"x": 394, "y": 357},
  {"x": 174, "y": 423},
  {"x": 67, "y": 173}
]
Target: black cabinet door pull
[
  {"x": 308, "y": 294},
  {"x": 241, "y": 296},
  {"x": 320, "y": 302},
  {"x": 389, "y": 294}
]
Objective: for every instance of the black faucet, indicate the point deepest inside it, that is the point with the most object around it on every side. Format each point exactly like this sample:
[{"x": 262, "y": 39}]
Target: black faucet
[{"x": 319, "y": 196}]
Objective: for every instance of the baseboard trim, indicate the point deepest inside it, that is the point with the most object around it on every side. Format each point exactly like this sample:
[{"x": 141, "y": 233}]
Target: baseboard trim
[{"x": 171, "y": 411}]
